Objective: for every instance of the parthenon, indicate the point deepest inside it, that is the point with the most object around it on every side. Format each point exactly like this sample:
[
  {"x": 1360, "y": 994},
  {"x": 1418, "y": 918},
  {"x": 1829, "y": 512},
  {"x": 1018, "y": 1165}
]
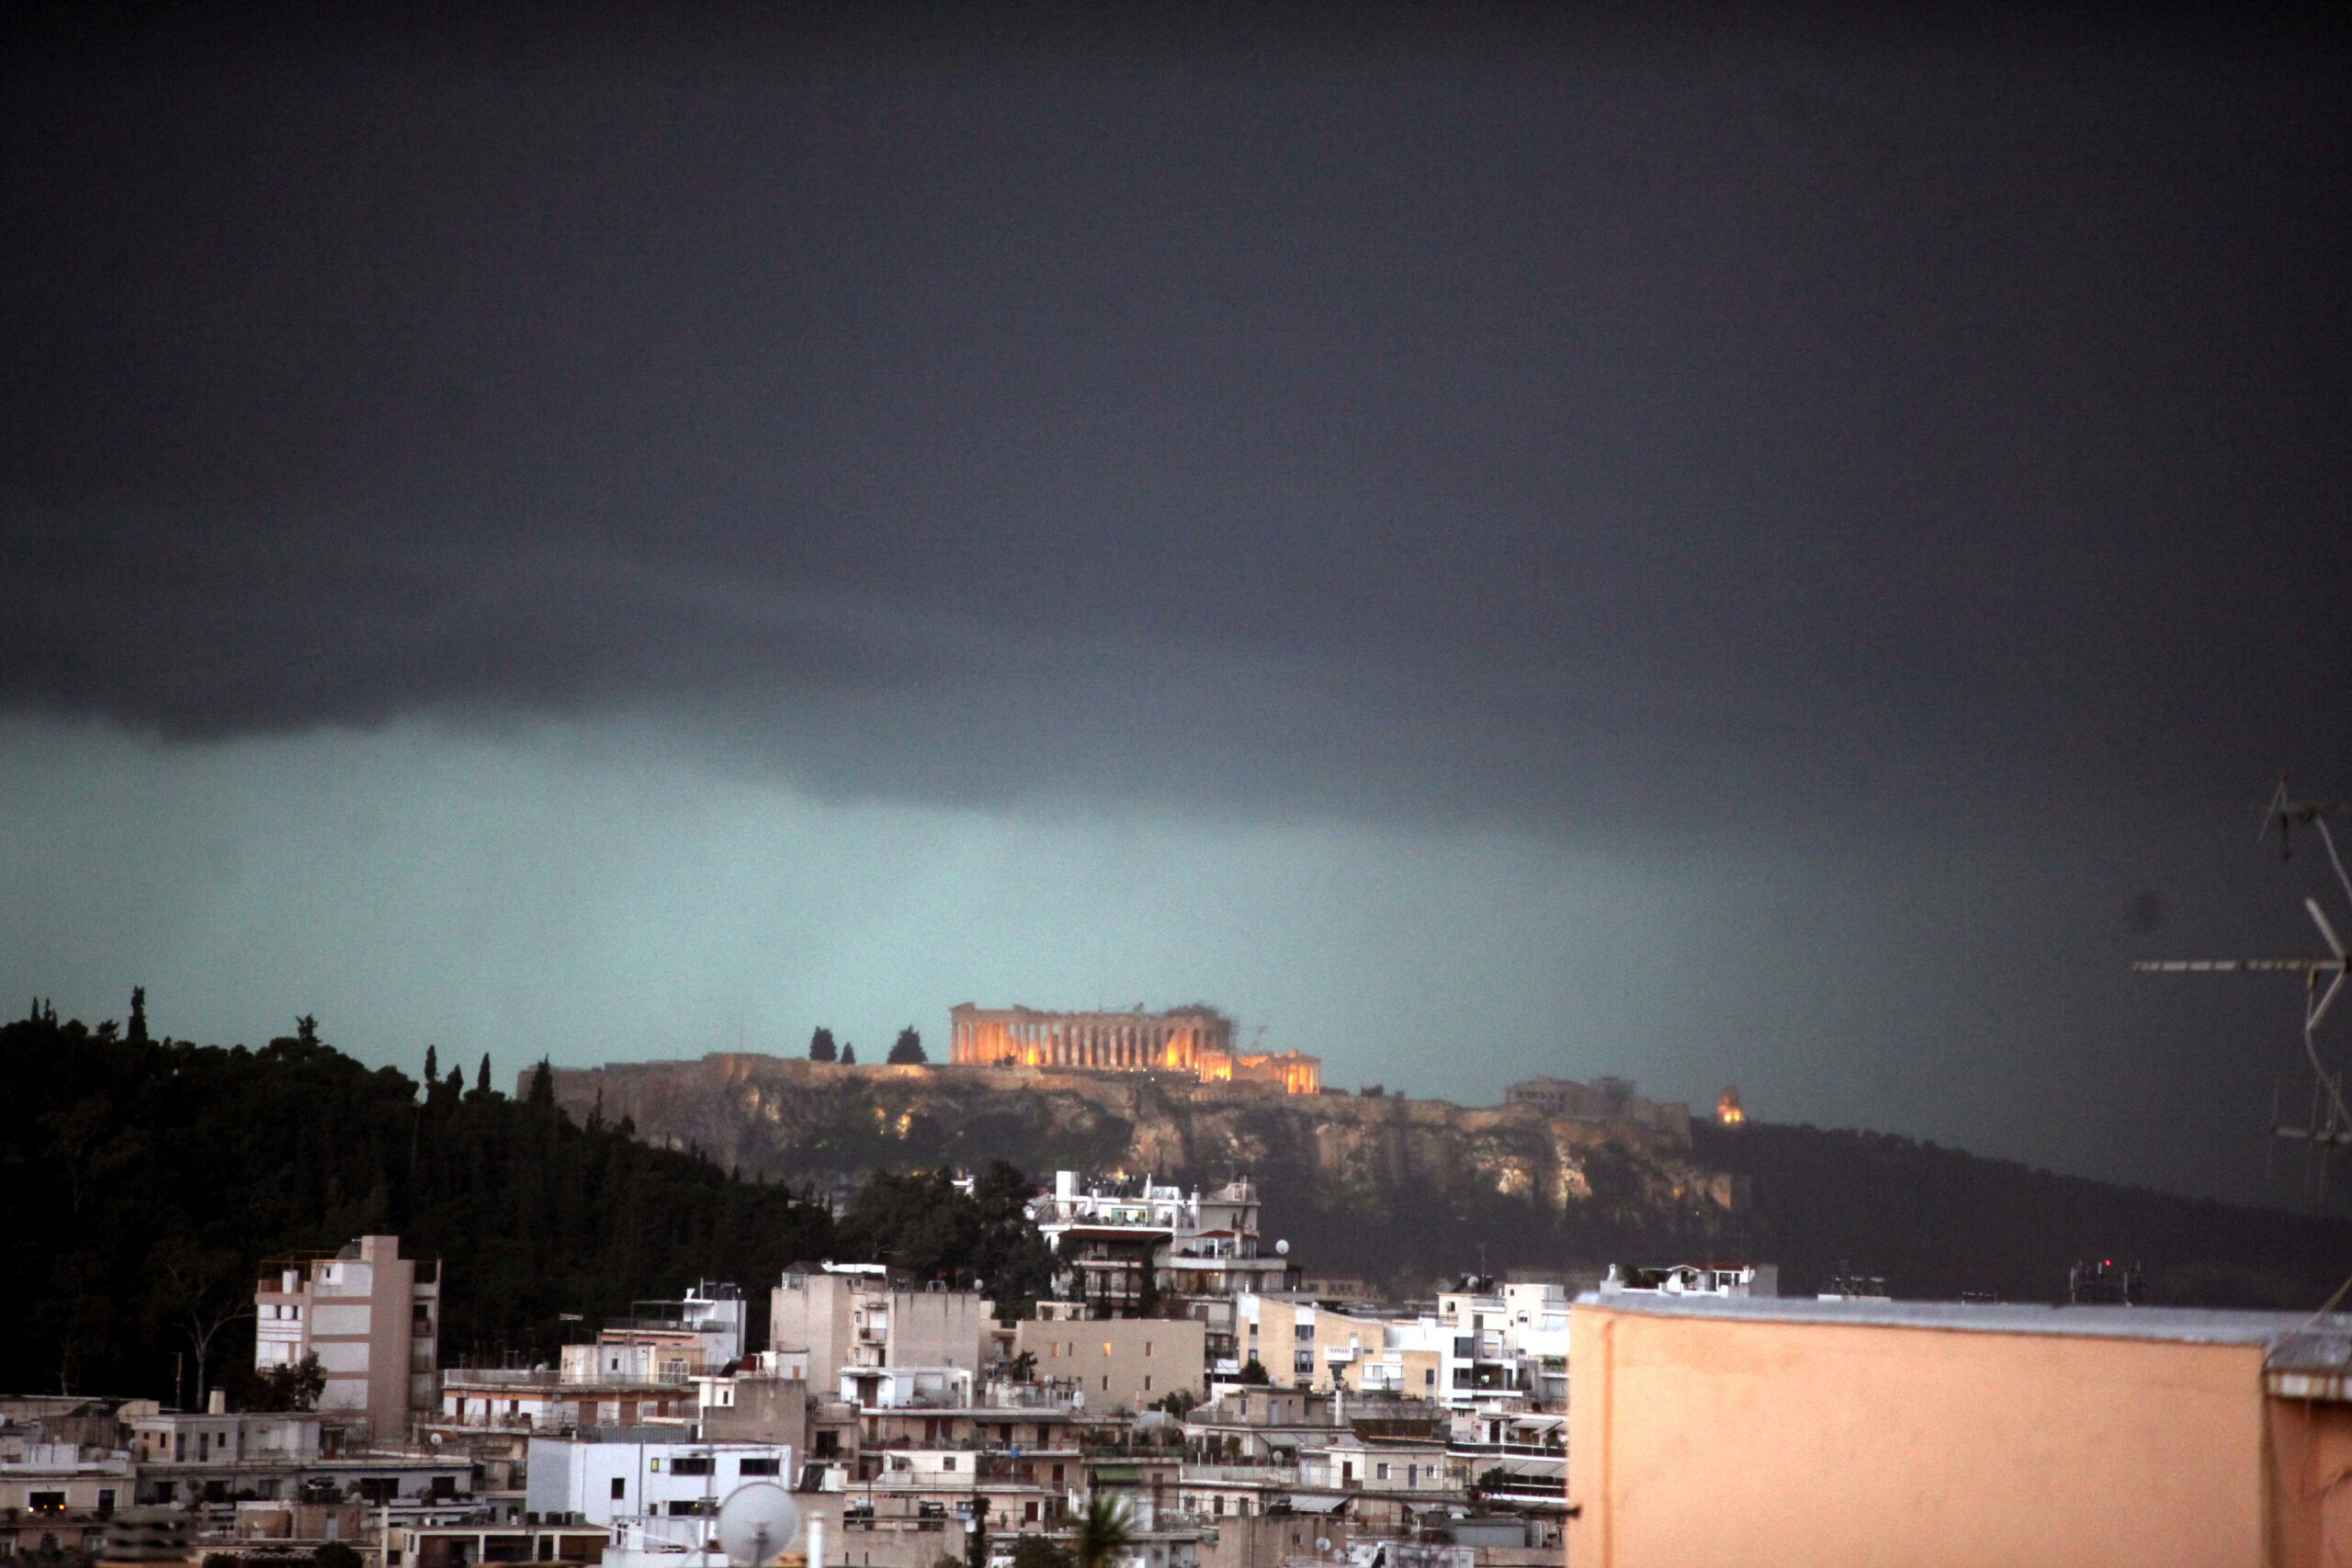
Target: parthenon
[{"x": 1195, "y": 1040}]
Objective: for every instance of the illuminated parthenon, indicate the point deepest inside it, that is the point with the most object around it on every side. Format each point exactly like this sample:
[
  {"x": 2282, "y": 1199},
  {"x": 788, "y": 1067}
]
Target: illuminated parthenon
[{"x": 1197, "y": 1041}]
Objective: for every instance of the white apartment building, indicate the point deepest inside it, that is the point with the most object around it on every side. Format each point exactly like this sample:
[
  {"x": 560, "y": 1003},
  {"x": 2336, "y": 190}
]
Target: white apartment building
[
  {"x": 1694, "y": 1279},
  {"x": 709, "y": 1318},
  {"x": 371, "y": 1316},
  {"x": 612, "y": 1475},
  {"x": 1195, "y": 1244},
  {"x": 845, "y": 1315}
]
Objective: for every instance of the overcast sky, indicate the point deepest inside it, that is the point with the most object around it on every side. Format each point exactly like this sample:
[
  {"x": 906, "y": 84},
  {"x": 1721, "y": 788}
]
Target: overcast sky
[{"x": 1782, "y": 552}]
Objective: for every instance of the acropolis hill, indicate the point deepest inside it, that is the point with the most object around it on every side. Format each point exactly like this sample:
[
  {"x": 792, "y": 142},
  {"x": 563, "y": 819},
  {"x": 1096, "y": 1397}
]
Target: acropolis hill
[{"x": 1356, "y": 1172}]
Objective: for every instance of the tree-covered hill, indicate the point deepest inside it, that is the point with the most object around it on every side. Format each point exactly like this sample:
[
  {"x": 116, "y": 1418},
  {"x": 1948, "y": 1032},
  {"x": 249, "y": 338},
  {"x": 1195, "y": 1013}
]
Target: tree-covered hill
[
  {"x": 1936, "y": 1222},
  {"x": 148, "y": 1178}
]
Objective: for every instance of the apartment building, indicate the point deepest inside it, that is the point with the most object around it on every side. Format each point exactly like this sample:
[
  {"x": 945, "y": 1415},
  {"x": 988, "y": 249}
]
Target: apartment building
[
  {"x": 1306, "y": 1344},
  {"x": 1118, "y": 1363},
  {"x": 608, "y": 1475},
  {"x": 855, "y": 1315},
  {"x": 371, "y": 1316},
  {"x": 1120, "y": 1243},
  {"x": 707, "y": 1326}
]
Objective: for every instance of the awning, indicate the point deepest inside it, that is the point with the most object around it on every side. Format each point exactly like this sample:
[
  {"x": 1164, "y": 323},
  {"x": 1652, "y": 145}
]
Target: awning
[{"x": 1317, "y": 1504}]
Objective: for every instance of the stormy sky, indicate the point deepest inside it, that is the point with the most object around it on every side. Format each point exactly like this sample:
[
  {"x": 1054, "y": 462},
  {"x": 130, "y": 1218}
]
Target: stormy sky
[{"x": 1781, "y": 549}]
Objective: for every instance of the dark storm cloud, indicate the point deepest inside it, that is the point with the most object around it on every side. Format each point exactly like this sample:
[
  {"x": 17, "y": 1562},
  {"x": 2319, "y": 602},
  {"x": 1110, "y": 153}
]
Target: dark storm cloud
[{"x": 1486, "y": 418}]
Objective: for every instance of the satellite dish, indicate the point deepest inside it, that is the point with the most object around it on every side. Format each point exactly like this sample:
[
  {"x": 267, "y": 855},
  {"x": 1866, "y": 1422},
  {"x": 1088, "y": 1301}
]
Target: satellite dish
[
  {"x": 1322, "y": 1543},
  {"x": 756, "y": 1522},
  {"x": 1281, "y": 1249}
]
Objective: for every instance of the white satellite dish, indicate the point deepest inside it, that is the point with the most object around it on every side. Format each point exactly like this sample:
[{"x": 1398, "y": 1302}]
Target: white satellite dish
[
  {"x": 1281, "y": 1249},
  {"x": 756, "y": 1522},
  {"x": 1322, "y": 1543}
]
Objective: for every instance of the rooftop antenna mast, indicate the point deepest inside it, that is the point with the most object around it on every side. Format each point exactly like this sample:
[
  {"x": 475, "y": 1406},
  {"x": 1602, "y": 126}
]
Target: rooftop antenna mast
[
  {"x": 2285, "y": 810},
  {"x": 2330, "y": 1124}
]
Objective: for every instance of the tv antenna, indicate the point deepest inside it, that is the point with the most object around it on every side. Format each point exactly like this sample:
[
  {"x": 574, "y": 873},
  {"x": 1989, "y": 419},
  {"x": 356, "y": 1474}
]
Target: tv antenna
[
  {"x": 2329, "y": 1127},
  {"x": 2285, "y": 810}
]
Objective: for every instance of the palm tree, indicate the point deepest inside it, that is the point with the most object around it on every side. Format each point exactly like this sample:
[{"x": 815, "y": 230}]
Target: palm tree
[{"x": 1105, "y": 1531}]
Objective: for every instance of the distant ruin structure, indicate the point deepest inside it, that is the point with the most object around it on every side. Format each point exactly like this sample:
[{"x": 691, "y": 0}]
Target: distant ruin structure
[
  {"x": 1194, "y": 1040},
  {"x": 1604, "y": 1100}
]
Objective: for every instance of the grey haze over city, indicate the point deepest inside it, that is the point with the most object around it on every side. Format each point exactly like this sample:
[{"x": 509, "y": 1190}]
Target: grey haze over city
[{"x": 1483, "y": 542}]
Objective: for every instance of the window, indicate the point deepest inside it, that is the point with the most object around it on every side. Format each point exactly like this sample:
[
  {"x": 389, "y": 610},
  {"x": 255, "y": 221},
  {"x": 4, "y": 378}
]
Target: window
[
  {"x": 45, "y": 1502},
  {"x": 1428, "y": 1376},
  {"x": 689, "y": 1464},
  {"x": 1217, "y": 1505},
  {"x": 1147, "y": 1383},
  {"x": 770, "y": 1466},
  {"x": 1305, "y": 1333},
  {"x": 620, "y": 1489},
  {"x": 1465, "y": 1347},
  {"x": 947, "y": 1461},
  {"x": 1380, "y": 1472},
  {"x": 1304, "y": 1363}
]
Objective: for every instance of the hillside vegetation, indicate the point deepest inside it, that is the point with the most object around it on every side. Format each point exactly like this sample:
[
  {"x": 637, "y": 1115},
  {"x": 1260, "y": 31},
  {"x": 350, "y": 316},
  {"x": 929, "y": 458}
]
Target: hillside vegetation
[
  {"x": 1936, "y": 1222},
  {"x": 149, "y": 1179}
]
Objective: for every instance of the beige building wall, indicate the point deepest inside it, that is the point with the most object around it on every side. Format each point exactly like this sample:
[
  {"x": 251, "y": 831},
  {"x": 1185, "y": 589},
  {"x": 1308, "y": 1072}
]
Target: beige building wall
[
  {"x": 371, "y": 1316},
  {"x": 856, "y": 1319},
  {"x": 1336, "y": 1346},
  {"x": 1754, "y": 1440},
  {"x": 1125, "y": 1362}
]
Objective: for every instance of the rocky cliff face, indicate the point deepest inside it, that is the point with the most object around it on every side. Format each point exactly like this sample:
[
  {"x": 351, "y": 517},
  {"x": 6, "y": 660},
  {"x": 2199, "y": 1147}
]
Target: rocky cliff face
[{"x": 1380, "y": 1186}]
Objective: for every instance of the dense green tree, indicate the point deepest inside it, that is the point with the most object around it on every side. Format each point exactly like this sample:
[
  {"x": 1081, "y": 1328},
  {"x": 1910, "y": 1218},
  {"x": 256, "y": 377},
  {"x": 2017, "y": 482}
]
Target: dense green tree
[
  {"x": 481, "y": 1079},
  {"x": 822, "y": 1047},
  {"x": 849, "y": 1054},
  {"x": 542, "y": 1084},
  {"x": 137, "y": 1033},
  {"x": 1039, "y": 1551},
  {"x": 116, "y": 1148},
  {"x": 906, "y": 1050},
  {"x": 922, "y": 1223},
  {"x": 295, "y": 1387},
  {"x": 1253, "y": 1374}
]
